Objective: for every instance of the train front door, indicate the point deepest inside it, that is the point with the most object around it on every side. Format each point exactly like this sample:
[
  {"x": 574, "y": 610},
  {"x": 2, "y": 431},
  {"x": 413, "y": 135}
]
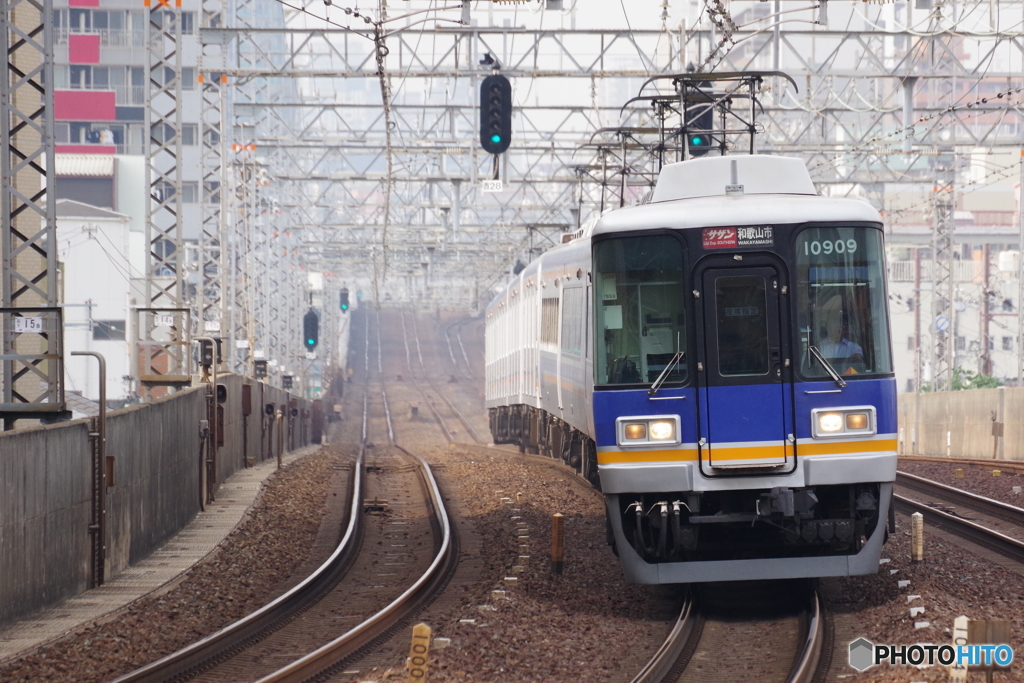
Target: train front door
[{"x": 744, "y": 374}]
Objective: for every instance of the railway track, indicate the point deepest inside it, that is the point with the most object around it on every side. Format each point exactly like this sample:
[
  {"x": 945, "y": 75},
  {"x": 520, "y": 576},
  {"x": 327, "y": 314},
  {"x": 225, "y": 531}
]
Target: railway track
[
  {"x": 702, "y": 644},
  {"x": 988, "y": 523},
  {"x": 980, "y": 463},
  {"x": 430, "y": 391},
  {"x": 465, "y": 367},
  {"x": 395, "y": 507},
  {"x": 799, "y": 625}
]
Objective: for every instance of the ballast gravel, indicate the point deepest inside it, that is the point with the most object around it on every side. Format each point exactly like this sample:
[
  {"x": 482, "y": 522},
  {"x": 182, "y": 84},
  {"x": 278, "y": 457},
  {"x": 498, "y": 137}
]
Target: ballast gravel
[
  {"x": 586, "y": 624},
  {"x": 249, "y": 569},
  {"x": 951, "y": 581}
]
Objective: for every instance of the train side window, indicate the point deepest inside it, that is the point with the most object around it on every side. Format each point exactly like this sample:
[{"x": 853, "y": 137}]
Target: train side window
[
  {"x": 841, "y": 301},
  {"x": 639, "y": 319}
]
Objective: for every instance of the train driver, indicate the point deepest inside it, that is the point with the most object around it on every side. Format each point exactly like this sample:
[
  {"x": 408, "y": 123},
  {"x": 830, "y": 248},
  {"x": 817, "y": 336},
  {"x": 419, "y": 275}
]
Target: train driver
[{"x": 835, "y": 345}]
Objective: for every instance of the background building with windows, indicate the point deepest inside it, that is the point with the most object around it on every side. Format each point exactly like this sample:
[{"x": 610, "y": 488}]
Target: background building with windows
[
  {"x": 99, "y": 282},
  {"x": 101, "y": 76}
]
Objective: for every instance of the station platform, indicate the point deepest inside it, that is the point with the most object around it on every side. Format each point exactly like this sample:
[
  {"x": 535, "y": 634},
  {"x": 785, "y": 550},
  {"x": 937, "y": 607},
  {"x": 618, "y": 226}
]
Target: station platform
[{"x": 189, "y": 547}]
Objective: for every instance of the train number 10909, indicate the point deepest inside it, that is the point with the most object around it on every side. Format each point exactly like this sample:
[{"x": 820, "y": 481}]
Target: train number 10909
[{"x": 817, "y": 247}]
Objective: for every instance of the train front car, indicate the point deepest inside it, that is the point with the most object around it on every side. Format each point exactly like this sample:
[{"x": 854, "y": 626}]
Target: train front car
[{"x": 744, "y": 399}]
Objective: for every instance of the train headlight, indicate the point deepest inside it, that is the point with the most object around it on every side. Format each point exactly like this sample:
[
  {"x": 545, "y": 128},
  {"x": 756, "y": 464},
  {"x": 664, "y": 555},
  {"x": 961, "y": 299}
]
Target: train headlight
[
  {"x": 660, "y": 430},
  {"x": 663, "y": 430},
  {"x": 853, "y": 421},
  {"x": 856, "y": 421},
  {"x": 635, "y": 431},
  {"x": 830, "y": 422}
]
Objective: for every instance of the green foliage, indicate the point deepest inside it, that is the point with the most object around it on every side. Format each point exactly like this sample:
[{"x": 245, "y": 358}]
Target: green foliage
[{"x": 965, "y": 379}]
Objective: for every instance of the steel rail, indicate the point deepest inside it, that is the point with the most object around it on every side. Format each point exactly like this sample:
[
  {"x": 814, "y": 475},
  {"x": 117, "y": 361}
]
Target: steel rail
[
  {"x": 458, "y": 338},
  {"x": 665, "y": 659},
  {"x": 235, "y": 636},
  {"x": 451, "y": 350},
  {"x": 467, "y": 369},
  {"x": 975, "y": 533},
  {"x": 669, "y": 662},
  {"x": 462, "y": 419},
  {"x": 467, "y": 372},
  {"x": 430, "y": 404},
  {"x": 451, "y": 406},
  {"x": 350, "y": 642},
  {"x": 806, "y": 668},
  {"x": 988, "y": 506},
  {"x": 458, "y": 415},
  {"x": 437, "y": 416}
]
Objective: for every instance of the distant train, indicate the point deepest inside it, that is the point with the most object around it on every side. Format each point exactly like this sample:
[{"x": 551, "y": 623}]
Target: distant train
[{"x": 717, "y": 362}]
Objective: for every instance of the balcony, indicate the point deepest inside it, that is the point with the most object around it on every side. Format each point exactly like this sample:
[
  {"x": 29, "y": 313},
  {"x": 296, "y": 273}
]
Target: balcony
[
  {"x": 124, "y": 95},
  {"x": 84, "y": 105},
  {"x": 117, "y": 46}
]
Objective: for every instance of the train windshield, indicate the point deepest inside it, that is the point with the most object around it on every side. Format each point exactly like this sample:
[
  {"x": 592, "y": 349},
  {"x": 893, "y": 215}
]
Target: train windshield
[
  {"x": 841, "y": 308},
  {"x": 639, "y": 320}
]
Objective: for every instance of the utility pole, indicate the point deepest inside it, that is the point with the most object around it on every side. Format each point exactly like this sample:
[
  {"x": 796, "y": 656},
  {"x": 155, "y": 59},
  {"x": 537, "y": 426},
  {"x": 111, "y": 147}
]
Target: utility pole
[
  {"x": 943, "y": 335},
  {"x": 985, "y": 358},
  {"x": 212, "y": 302},
  {"x": 1020, "y": 279},
  {"x": 917, "y": 319}
]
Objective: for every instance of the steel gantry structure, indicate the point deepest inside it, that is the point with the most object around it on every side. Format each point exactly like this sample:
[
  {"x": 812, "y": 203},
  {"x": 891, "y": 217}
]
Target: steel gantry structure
[
  {"x": 870, "y": 110},
  {"x": 163, "y": 326},
  {"x": 31, "y": 325},
  {"x": 299, "y": 154}
]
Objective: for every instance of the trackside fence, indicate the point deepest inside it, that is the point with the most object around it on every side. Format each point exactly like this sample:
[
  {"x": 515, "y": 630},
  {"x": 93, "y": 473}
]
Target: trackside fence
[
  {"x": 975, "y": 423},
  {"x": 47, "y": 480}
]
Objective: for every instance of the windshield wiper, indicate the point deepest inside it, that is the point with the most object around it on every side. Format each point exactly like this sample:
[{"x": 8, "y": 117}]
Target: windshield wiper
[
  {"x": 665, "y": 373},
  {"x": 840, "y": 382}
]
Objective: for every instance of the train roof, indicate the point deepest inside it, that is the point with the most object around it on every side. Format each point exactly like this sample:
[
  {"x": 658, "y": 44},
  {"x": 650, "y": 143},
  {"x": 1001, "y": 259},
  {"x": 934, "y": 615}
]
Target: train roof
[{"x": 735, "y": 190}]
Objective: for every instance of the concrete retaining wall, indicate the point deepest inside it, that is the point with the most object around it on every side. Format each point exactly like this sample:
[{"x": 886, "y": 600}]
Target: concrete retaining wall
[
  {"x": 46, "y": 499},
  {"x": 156, "y": 474},
  {"x": 960, "y": 423},
  {"x": 45, "y": 503}
]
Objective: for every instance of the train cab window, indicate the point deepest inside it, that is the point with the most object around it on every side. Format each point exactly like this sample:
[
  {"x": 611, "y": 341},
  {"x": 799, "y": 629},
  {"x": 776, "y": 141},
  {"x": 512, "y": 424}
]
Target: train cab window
[
  {"x": 741, "y": 310},
  {"x": 841, "y": 307},
  {"x": 639, "y": 320}
]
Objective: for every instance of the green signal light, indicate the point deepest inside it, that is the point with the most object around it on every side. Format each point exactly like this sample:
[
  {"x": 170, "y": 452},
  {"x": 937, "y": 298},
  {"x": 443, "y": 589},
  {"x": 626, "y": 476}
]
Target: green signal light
[
  {"x": 697, "y": 140},
  {"x": 310, "y": 342},
  {"x": 495, "y": 139}
]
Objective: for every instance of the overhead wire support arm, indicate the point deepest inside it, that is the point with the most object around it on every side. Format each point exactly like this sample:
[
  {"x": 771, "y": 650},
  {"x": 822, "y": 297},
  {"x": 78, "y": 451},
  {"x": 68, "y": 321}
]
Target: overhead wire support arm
[{"x": 695, "y": 101}]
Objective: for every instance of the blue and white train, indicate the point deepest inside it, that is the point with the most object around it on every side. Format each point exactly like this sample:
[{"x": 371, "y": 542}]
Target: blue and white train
[{"x": 717, "y": 362}]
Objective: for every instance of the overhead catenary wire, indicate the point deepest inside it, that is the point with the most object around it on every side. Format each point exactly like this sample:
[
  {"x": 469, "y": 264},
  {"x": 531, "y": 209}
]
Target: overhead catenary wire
[{"x": 1008, "y": 93}]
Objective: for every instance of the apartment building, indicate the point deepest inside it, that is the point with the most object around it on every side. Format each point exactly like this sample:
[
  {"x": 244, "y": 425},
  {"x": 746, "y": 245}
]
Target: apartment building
[{"x": 101, "y": 75}]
